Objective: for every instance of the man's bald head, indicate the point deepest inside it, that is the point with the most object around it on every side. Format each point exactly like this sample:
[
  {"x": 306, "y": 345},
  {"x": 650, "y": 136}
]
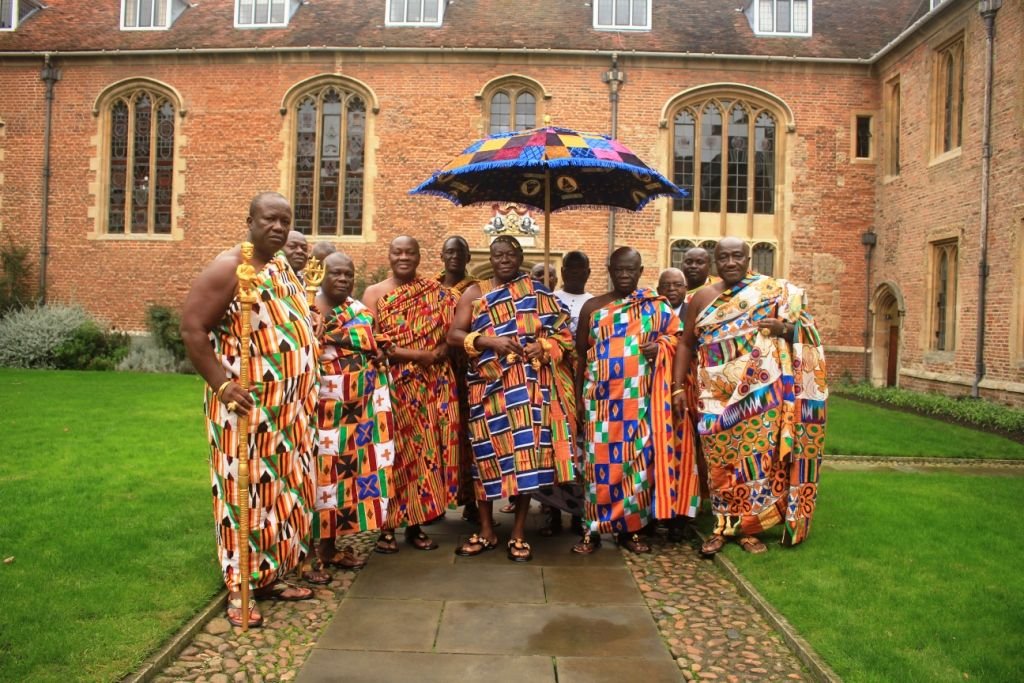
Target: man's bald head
[
  {"x": 322, "y": 249},
  {"x": 262, "y": 197},
  {"x": 732, "y": 243},
  {"x": 696, "y": 267},
  {"x": 337, "y": 258},
  {"x": 624, "y": 253},
  {"x": 406, "y": 240},
  {"x": 672, "y": 286}
]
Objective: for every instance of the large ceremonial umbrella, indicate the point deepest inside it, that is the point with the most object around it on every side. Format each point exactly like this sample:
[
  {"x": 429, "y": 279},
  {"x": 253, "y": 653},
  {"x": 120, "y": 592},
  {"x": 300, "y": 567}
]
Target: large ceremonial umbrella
[{"x": 549, "y": 169}]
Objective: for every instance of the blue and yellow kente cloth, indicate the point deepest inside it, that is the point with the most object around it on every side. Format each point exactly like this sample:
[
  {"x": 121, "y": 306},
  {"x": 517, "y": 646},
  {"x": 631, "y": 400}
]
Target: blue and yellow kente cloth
[
  {"x": 762, "y": 409},
  {"x": 521, "y": 418},
  {"x": 355, "y": 428},
  {"x": 283, "y": 384}
]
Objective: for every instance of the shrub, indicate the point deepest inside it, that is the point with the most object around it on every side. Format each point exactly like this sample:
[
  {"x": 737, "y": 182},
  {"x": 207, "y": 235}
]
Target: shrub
[
  {"x": 90, "y": 347},
  {"x": 976, "y": 412},
  {"x": 145, "y": 355},
  {"x": 29, "y": 337},
  {"x": 15, "y": 292},
  {"x": 164, "y": 325}
]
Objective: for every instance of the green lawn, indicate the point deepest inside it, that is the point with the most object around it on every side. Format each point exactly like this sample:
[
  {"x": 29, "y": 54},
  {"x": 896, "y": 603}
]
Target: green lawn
[
  {"x": 856, "y": 428},
  {"x": 106, "y": 511},
  {"x": 905, "y": 576}
]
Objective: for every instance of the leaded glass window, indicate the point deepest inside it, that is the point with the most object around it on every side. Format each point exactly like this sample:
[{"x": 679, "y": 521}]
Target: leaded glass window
[
  {"x": 708, "y": 172},
  {"x": 784, "y": 16},
  {"x": 512, "y": 108},
  {"x": 762, "y": 259},
  {"x": 330, "y": 148},
  {"x": 141, "y": 164},
  {"x": 622, "y": 14}
]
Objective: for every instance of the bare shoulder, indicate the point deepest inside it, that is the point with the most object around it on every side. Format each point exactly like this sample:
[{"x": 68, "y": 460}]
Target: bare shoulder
[
  {"x": 471, "y": 293},
  {"x": 596, "y": 302},
  {"x": 706, "y": 295}
]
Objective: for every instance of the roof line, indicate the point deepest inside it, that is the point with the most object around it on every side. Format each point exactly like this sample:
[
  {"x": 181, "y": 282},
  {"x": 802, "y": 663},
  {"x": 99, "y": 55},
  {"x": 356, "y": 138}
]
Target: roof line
[{"x": 450, "y": 50}]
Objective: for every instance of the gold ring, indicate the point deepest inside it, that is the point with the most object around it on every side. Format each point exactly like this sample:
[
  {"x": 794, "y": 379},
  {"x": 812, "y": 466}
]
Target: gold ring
[
  {"x": 233, "y": 406},
  {"x": 510, "y": 358}
]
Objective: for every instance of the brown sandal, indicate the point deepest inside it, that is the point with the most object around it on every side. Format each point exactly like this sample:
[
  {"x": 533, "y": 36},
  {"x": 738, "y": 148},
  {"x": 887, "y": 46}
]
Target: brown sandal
[
  {"x": 386, "y": 544},
  {"x": 314, "y": 573},
  {"x": 415, "y": 537},
  {"x": 475, "y": 545},
  {"x": 519, "y": 550},
  {"x": 752, "y": 545},
  {"x": 713, "y": 545},
  {"x": 632, "y": 543},
  {"x": 344, "y": 559},
  {"x": 587, "y": 545},
  {"x": 234, "y": 613}
]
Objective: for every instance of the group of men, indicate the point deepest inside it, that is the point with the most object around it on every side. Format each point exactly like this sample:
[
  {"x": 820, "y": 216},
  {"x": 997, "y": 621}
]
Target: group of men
[{"x": 432, "y": 392}]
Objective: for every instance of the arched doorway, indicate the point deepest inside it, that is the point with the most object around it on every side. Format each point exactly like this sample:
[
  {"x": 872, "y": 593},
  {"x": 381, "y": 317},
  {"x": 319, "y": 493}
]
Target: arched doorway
[{"x": 888, "y": 308}]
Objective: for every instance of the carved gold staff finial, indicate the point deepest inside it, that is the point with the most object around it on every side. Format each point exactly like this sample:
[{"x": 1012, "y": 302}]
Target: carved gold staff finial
[
  {"x": 313, "y": 274},
  {"x": 246, "y": 274}
]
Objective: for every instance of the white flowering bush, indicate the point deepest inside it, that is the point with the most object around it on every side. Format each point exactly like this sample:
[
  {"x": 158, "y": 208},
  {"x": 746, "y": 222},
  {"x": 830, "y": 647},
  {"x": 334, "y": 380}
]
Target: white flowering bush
[{"x": 29, "y": 338}]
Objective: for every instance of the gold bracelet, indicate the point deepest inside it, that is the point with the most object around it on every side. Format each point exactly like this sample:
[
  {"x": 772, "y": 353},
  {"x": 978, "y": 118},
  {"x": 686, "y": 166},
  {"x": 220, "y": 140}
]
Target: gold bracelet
[
  {"x": 468, "y": 344},
  {"x": 220, "y": 389},
  {"x": 677, "y": 392}
]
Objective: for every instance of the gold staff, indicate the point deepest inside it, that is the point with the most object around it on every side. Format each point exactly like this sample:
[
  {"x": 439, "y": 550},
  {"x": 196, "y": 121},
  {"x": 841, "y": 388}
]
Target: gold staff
[
  {"x": 246, "y": 297},
  {"x": 313, "y": 274}
]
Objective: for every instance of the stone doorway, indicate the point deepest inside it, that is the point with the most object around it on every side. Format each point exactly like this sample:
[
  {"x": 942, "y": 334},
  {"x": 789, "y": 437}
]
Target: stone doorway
[{"x": 888, "y": 309}]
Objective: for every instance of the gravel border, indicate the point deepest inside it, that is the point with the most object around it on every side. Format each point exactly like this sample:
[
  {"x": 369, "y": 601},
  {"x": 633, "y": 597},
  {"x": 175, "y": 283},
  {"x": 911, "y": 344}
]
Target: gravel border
[
  {"x": 925, "y": 461},
  {"x": 170, "y": 650}
]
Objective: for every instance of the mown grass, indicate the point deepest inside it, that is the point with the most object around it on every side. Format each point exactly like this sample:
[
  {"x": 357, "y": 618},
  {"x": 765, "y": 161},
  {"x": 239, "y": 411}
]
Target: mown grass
[
  {"x": 905, "y": 576},
  {"x": 106, "y": 512},
  {"x": 856, "y": 428}
]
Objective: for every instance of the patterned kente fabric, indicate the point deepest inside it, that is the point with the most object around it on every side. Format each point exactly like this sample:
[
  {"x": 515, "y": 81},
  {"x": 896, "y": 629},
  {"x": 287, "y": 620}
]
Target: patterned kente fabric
[
  {"x": 691, "y": 396},
  {"x": 282, "y": 380},
  {"x": 636, "y": 465},
  {"x": 417, "y": 315},
  {"x": 521, "y": 418},
  {"x": 460, "y": 366},
  {"x": 355, "y": 428},
  {"x": 762, "y": 409}
]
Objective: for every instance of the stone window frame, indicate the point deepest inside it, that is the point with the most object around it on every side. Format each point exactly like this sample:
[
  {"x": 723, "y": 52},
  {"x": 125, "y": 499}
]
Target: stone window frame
[
  {"x": 100, "y": 162},
  {"x": 513, "y": 85},
  {"x": 1017, "y": 297},
  {"x": 872, "y": 137},
  {"x": 289, "y": 102},
  {"x": 893, "y": 115},
  {"x": 947, "y": 98},
  {"x": 947, "y": 247},
  {"x": 388, "y": 21},
  {"x": 613, "y": 26},
  {"x": 753, "y": 228}
]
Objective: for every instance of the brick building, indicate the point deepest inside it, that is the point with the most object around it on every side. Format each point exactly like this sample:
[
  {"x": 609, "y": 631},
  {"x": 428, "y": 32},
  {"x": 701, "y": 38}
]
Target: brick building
[{"x": 811, "y": 128}]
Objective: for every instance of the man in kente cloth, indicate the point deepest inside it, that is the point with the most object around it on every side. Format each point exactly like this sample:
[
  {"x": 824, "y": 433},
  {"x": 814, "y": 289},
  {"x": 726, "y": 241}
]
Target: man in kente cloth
[
  {"x": 280, "y": 402},
  {"x": 635, "y": 469},
  {"x": 455, "y": 257},
  {"x": 355, "y": 428},
  {"x": 761, "y": 421},
  {"x": 697, "y": 274},
  {"x": 412, "y": 316},
  {"x": 521, "y": 419}
]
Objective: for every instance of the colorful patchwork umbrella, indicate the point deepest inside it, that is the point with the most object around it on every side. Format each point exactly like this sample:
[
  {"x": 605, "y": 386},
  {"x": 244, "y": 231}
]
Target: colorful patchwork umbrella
[{"x": 549, "y": 169}]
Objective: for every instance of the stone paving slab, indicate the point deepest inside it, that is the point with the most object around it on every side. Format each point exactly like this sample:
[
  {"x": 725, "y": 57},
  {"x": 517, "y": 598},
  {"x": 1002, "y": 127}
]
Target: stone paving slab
[
  {"x": 552, "y": 629},
  {"x": 415, "y": 580},
  {"x": 373, "y": 624},
  {"x": 591, "y": 585},
  {"x": 554, "y": 551},
  {"x": 617, "y": 670},
  {"x": 334, "y": 666}
]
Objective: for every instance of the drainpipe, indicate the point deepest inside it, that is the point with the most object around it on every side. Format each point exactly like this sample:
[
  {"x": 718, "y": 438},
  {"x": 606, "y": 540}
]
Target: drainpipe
[
  {"x": 869, "y": 239},
  {"x": 614, "y": 78},
  {"x": 49, "y": 75},
  {"x": 987, "y": 9}
]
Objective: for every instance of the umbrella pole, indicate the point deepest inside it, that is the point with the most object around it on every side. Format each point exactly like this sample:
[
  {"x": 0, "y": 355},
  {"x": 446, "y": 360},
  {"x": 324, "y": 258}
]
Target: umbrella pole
[{"x": 547, "y": 227}]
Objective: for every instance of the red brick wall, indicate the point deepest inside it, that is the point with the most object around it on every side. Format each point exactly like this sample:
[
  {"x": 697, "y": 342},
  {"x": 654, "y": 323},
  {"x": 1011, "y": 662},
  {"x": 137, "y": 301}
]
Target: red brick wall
[
  {"x": 233, "y": 148},
  {"x": 931, "y": 198}
]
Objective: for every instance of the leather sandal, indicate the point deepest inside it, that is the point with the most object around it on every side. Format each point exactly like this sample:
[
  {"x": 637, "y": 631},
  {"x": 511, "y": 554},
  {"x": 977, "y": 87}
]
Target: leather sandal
[
  {"x": 713, "y": 545},
  {"x": 475, "y": 545},
  {"x": 632, "y": 543},
  {"x": 752, "y": 545},
  {"x": 386, "y": 544},
  {"x": 415, "y": 537},
  {"x": 519, "y": 550},
  {"x": 234, "y": 613},
  {"x": 587, "y": 545}
]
